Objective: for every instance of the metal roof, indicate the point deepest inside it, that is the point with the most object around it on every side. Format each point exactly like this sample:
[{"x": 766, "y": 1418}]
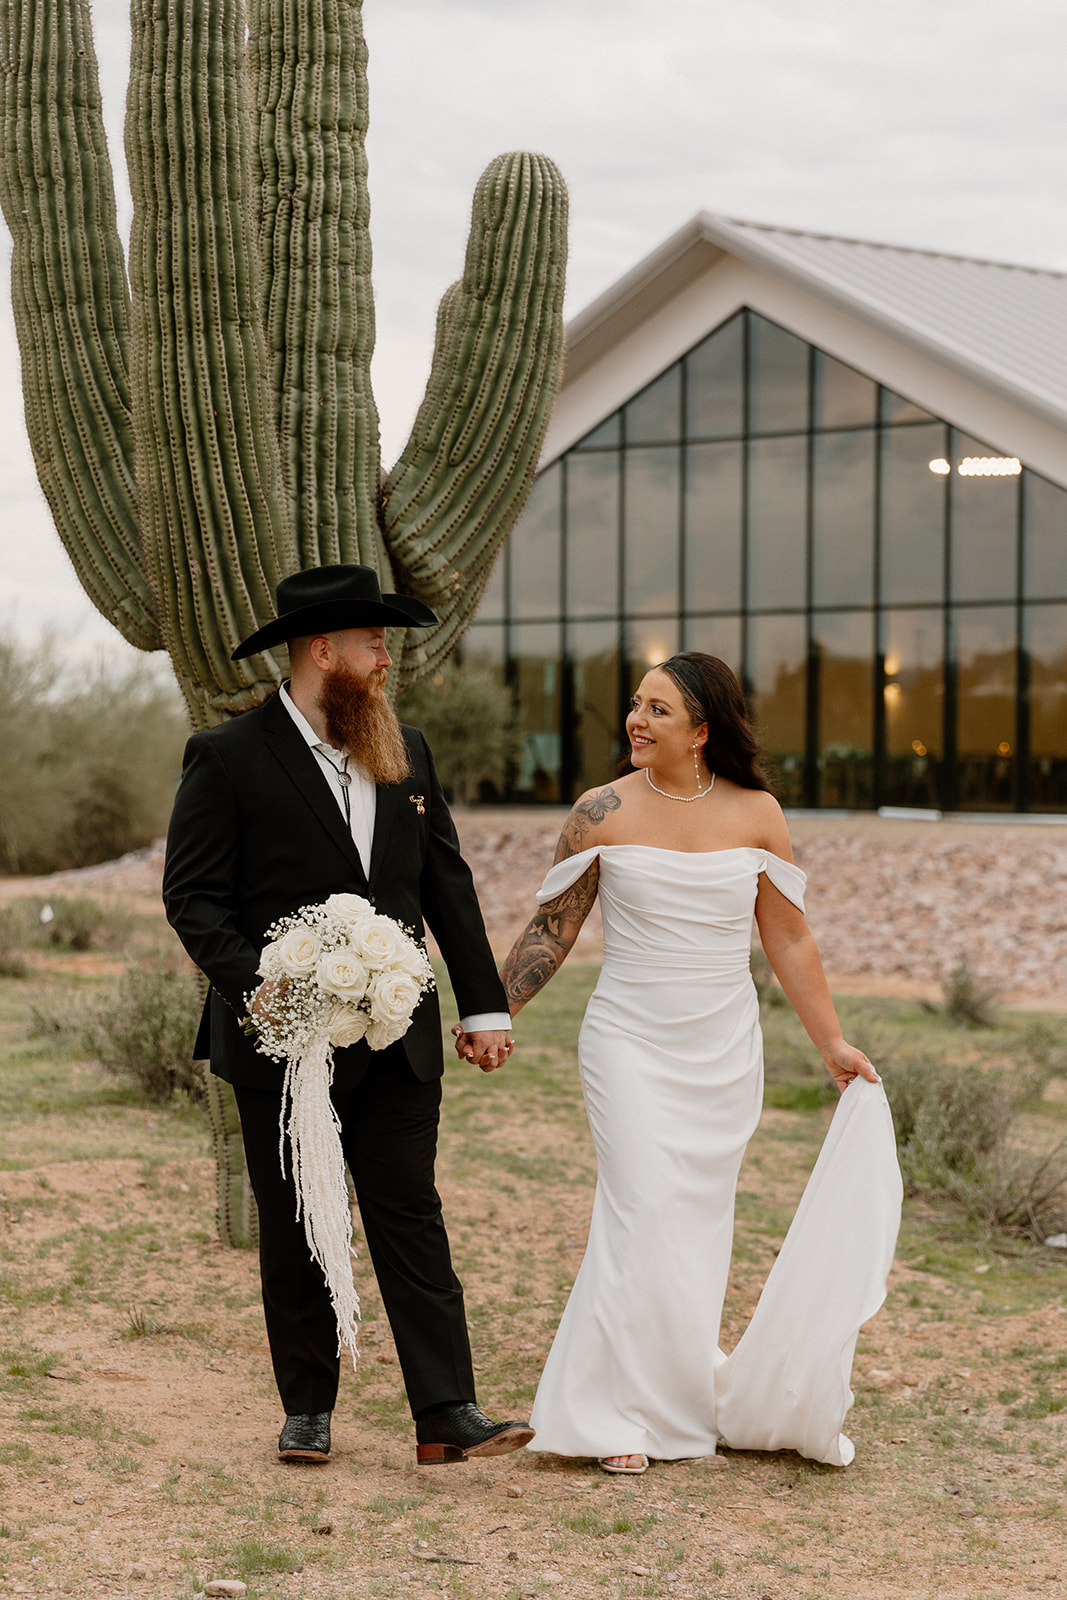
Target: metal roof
[{"x": 1004, "y": 326}]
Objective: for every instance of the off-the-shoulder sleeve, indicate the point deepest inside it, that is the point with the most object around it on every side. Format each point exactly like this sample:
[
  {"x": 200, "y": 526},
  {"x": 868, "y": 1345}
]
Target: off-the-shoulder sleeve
[
  {"x": 785, "y": 876},
  {"x": 564, "y": 873}
]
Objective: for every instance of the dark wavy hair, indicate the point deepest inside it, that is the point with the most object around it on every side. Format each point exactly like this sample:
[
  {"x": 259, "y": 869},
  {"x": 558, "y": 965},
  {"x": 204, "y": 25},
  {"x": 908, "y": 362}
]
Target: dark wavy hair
[{"x": 712, "y": 694}]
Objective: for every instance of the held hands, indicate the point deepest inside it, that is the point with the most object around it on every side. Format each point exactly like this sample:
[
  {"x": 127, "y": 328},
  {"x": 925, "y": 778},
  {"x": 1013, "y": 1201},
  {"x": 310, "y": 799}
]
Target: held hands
[
  {"x": 486, "y": 1050},
  {"x": 270, "y": 992},
  {"x": 844, "y": 1062}
]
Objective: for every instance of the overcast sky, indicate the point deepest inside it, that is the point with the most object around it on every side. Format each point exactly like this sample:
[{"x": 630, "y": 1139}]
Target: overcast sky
[{"x": 936, "y": 123}]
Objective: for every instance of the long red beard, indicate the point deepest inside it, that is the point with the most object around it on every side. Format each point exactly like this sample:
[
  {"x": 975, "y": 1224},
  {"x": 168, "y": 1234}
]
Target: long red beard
[{"x": 360, "y": 720}]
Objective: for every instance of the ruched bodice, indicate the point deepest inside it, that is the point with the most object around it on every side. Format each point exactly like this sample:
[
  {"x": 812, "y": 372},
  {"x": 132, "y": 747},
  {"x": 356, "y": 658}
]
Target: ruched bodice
[
  {"x": 693, "y": 909},
  {"x": 671, "y": 1062}
]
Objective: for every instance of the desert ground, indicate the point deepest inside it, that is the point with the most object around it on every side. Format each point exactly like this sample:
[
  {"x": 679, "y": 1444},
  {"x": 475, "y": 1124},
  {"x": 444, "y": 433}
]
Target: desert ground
[{"x": 139, "y": 1415}]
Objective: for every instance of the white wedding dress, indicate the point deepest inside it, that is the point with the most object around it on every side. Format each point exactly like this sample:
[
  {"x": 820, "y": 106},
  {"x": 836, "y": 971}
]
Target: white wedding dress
[{"x": 671, "y": 1064}]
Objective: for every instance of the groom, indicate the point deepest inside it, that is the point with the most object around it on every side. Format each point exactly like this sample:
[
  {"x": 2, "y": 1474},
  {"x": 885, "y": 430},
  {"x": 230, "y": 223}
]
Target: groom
[{"x": 322, "y": 791}]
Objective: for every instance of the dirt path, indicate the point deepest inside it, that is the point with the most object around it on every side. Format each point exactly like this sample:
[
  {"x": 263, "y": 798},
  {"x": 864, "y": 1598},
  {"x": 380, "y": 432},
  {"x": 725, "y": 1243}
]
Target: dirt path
[{"x": 139, "y": 1416}]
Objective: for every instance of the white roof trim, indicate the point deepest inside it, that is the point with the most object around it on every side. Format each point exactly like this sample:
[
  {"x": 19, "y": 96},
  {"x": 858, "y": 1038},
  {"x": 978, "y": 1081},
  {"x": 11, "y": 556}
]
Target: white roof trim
[{"x": 671, "y": 272}]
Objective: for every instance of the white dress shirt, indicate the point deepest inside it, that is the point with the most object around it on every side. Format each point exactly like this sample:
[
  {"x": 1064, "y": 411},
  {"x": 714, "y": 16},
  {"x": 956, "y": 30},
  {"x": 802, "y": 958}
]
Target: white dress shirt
[{"x": 361, "y": 810}]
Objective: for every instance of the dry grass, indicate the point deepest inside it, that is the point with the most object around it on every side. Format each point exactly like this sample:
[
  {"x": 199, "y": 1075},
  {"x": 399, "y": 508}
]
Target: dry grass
[{"x": 136, "y": 1451}]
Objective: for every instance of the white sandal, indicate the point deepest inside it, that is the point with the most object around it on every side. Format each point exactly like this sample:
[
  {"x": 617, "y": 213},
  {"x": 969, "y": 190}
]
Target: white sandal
[{"x": 620, "y": 1464}]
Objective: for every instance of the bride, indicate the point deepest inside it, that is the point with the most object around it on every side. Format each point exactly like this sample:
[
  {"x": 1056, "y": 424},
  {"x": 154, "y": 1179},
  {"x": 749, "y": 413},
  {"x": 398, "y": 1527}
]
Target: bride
[{"x": 682, "y": 850}]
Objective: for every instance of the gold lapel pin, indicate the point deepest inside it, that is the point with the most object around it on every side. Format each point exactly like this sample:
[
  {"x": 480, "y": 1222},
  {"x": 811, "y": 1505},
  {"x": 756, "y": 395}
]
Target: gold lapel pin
[{"x": 417, "y": 801}]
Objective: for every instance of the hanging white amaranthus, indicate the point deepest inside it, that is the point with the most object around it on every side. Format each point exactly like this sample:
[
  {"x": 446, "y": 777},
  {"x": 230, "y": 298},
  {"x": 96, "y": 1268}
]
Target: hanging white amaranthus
[{"x": 332, "y": 974}]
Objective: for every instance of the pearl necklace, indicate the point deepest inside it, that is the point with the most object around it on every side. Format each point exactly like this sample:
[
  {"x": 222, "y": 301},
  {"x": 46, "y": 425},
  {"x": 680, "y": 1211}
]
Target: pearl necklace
[{"x": 686, "y": 799}]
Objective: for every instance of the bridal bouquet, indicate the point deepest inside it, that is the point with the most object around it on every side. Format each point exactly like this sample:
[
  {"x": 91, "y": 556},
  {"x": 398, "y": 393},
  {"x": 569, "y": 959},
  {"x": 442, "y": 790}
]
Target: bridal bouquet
[{"x": 333, "y": 974}]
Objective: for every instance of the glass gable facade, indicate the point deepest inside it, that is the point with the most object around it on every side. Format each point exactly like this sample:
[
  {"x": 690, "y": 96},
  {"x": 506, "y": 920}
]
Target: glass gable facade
[{"x": 891, "y": 592}]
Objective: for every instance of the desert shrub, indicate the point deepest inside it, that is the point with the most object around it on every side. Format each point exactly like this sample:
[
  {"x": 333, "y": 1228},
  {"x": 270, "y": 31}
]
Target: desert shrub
[
  {"x": 89, "y": 758},
  {"x": 970, "y": 1000},
  {"x": 75, "y": 924},
  {"x": 958, "y": 1136},
  {"x": 145, "y": 1032},
  {"x": 12, "y": 944},
  {"x": 468, "y": 717}
]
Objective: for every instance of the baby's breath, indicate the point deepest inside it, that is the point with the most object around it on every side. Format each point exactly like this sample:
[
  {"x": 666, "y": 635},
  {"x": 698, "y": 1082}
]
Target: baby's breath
[{"x": 338, "y": 972}]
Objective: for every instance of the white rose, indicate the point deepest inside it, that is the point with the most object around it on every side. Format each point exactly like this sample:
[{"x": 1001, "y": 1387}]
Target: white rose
[
  {"x": 393, "y": 997},
  {"x": 351, "y": 909},
  {"x": 342, "y": 973},
  {"x": 269, "y": 963},
  {"x": 298, "y": 951},
  {"x": 379, "y": 941},
  {"x": 413, "y": 960},
  {"x": 347, "y": 1025},
  {"x": 380, "y": 1035}
]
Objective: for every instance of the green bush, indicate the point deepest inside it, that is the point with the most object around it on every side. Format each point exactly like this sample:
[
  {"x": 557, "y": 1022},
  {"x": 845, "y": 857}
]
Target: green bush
[
  {"x": 89, "y": 759},
  {"x": 12, "y": 944},
  {"x": 468, "y": 717},
  {"x": 146, "y": 1031},
  {"x": 77, "y": 924},
  {"x": 959, "y": 1136},
  {"x": 970, "y": 1000}
]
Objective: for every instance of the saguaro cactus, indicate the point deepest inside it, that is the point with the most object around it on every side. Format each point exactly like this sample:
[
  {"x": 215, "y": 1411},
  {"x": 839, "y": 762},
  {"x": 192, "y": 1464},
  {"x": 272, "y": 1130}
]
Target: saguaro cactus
[{"x": 210, "y": 426}]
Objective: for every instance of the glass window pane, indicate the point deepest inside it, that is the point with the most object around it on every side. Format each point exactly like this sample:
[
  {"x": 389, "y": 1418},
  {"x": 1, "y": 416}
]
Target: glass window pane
[
  {"x": 484, "y": 642},
  {"x": 491, "y": 605},
  {"x": 914, "y": 697},
  {"x": 713, "y": 526},
  {"x": 594, "y": 652},
  {"x": 483, "y": 646},
  {"x": 714, "y": 392},
  {"x": 896, "y": 409},
  {"x": 1046, "y": 642},
  {"x": 778, "y": 394},
  {"x": 844, "y": 398},
  {"x": 653, "y": 483},
  {"x": 777, "y": 520},
  {"x": 609, "y": 433},
  {"x": 843, "y": 658},
  {"x": 1045, "y": 535},
  {"x": 843, "y": 518},
  {"x": 716, "y": 636},
  {"x": 535, "y": 547},
  {"x": 593, "y": 534},
  {"x": 984, "y": 523},
  {"x": 648, "y": 642},
  {"x": 536, "y": 654},
  {"x": 985, "y": 711},
  {"x": 777, "y": 675},
  {"x": 913, "y": 515},
  {"x": 655, "y": 415}
]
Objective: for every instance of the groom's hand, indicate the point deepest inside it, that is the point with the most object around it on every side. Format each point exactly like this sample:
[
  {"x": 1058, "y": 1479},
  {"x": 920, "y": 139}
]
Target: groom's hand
[{"x": 486, "y": 1050}]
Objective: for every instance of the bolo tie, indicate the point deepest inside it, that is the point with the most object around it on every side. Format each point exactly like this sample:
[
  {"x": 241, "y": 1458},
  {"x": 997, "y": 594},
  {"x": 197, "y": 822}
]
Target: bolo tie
[{"x": 344, "y": 778}]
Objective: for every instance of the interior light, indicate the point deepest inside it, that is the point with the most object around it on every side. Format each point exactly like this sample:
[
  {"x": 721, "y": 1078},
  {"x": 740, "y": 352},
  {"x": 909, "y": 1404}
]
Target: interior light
[
  {"x": 892, "y": 665},
  {"x": 654, "y": 654},
  {"x": 941, "y": 467},
  {"x": 989, "y": 467},
  {"x": 892, "y": 693},
  {"x": 1003, "y": 748},
  {"x": 918, "y": 746}
]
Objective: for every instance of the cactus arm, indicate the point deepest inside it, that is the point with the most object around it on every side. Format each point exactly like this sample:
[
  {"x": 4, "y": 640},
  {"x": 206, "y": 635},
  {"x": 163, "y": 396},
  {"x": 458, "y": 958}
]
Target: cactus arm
[
  {"x": 214, "y": 528},
  {"x": 466, "y": 471},
  {"x": 308, "y": 67},
  {"x": 235, "y": 1206},
  {"x": 70, "y": 301}
]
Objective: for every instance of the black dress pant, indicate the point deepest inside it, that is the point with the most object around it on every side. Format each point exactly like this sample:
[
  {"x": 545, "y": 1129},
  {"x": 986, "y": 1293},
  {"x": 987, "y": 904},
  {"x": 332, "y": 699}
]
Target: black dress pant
[{"x": 389, "y": 1133}]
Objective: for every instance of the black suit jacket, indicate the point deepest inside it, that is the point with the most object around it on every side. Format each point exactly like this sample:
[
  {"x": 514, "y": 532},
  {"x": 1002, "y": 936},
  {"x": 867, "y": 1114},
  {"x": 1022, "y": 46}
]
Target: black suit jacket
[{"x": 256, "y": 833}]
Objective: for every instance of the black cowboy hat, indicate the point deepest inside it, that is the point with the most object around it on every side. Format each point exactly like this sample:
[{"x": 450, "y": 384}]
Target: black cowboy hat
[{"x": 327, "y": 599}]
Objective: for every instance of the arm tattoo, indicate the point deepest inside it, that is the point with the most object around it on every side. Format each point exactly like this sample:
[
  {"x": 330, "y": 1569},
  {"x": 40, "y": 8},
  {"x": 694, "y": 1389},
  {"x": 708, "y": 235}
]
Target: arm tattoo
[
  {"x": 539, "y": 950},
  {"x": 585, "y": 815}
]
